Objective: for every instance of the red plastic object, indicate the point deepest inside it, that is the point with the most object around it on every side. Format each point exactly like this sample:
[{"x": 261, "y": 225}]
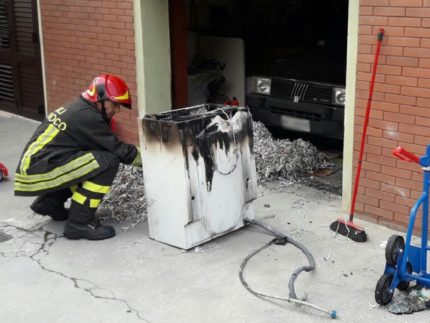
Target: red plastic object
[
  {"x": 405, "y": 155},
  {"x": 233, "y": 102},
  {"x": 3, "y": 171}
]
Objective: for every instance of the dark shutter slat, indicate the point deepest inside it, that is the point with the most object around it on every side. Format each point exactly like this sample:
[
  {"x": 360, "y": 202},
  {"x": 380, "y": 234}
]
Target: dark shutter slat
[{"x": 6, "y": 83}]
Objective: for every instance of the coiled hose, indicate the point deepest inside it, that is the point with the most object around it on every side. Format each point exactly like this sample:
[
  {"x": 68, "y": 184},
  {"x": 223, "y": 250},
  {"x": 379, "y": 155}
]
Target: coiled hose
[{"x": 282, "y": 239}]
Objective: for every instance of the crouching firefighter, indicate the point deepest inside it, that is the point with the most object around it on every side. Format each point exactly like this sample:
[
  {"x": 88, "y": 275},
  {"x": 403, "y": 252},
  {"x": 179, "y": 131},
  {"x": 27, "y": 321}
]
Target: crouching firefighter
[{"x": 74, "y": 153}]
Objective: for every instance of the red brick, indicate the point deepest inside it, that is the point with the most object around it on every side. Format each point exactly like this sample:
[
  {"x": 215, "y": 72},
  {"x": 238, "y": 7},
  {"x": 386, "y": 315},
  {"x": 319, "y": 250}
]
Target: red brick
[
  {"x": 421, "y": 140},
  {"x": 383, "y": 124},
  {"x": 381, "y": 160},
  {"x": 403, "y": 21},
  {"x": 402, "y": 61},
  {"x": 416, "y": 194},
  {"x": 416, "y": 91},
  {"x": 394, "y": 171},
  {"x": 366, "y": 11},
  {"x": 402, "y": 80},
  {"x": 394, "y": 207},
  {"x": 399, "y": 118},
  {"x": 389, "y": 11},
  {"x": 406, "y": 3},
  {"x": 402, "y": 218},
  {"x": 417, "y": 32},
  {"x": 417, "y": 52},
  {"x": 377, "y": 21},
  {"x": 387, "y": 69},
  {"x": 403, "y": 41},
  {"x": 422, "y": 108},
  {"x": 369, "y": 183},
  {"x": 374, "y": 3},
  {"x": 371, "y": 149},
  {"x": 416, "y": 130},
  {"x": 393, "y": 189},
  {"x": 401, "y": 137},
  {"x": 370, "y": 166},
  {"x": 379, "y": 212},
  {"x": 381, "y": 177},
  {"x": 365, "y": 199},
  {"x": 413, "y": 185},
  {"x": 405, "y": 201},
  {"x": 425, "y": 22},
  {"x": 417, "y": 12},
  {"x": 392, "y": 31},
  {"x": 423, "y": 121}
]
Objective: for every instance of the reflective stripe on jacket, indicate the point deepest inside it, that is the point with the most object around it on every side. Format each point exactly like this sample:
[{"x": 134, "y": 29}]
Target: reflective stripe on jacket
[{"x": 64, "y": 150}]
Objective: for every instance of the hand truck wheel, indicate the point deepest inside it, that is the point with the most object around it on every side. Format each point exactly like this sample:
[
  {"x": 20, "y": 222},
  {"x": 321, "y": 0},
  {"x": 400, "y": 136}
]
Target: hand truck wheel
[
  {"x": 383, "y": 295},
  {"x": 394, "y": 245}
]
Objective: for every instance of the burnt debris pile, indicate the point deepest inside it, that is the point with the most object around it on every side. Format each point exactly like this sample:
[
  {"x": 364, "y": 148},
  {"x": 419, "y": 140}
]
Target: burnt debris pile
[
  {"x": 126, "y": 200},
  {"x": 275, "y": 159},
  {"x": 284, "y": 159}
]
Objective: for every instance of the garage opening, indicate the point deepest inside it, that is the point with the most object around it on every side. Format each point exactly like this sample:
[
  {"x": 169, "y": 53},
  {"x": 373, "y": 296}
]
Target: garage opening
[{"x": 284, "y": 59}]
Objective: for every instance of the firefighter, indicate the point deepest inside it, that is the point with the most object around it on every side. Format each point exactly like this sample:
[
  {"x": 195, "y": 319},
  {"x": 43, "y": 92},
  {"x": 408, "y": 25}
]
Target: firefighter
[{"x": 74, "y": 153}]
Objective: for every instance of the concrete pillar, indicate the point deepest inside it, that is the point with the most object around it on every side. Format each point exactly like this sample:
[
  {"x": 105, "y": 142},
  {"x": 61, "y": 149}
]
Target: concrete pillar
[
  {"x": 351, "y": 71},
  {"x": 153, "y": 72}
]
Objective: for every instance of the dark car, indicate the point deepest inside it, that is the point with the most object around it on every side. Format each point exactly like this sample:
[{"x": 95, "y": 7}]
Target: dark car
[
  {"x": 297, "y": 105},
  {"x": 296, "y": 65}
]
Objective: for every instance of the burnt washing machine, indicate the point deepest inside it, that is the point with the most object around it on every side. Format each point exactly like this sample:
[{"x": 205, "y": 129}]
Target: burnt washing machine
[{"x": 199, "y": 173}]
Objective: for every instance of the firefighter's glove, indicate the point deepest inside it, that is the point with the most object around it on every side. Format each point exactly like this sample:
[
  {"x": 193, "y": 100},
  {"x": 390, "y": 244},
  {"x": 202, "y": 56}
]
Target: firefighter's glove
[{"x": 138, "y": 159}]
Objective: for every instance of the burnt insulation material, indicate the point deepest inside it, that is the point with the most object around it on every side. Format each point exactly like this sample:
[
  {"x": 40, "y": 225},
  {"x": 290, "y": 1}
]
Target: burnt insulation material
[
  {"x": 274, "y": 159},
  {"x": 126, "y": 202},
  {"x": 284, "y": 159}
]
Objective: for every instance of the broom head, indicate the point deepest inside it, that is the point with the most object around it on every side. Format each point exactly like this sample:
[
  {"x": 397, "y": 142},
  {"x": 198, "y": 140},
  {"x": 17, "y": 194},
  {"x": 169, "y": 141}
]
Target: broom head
[{"x": 349, "y": 229}]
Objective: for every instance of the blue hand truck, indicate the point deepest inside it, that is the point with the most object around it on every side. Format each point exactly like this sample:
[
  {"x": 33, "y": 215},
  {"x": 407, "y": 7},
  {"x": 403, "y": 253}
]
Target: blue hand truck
[{"x": 405, "y": 262}]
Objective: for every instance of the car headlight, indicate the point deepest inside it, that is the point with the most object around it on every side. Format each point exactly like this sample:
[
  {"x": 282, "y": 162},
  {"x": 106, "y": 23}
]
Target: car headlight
[
  {"x": 339, "y": 96},
  {"x": 258, "y": 85},
  {"x": 263, "y": 86}
]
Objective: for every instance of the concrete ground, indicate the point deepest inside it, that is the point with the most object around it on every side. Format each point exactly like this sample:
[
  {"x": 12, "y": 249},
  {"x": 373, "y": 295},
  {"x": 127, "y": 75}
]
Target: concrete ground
[{"x": 131, "y": 278}]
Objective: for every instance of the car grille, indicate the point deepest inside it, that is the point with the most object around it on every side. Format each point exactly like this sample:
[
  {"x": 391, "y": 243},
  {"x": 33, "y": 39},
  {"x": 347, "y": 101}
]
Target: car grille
[{"x": 298, "y": 91}]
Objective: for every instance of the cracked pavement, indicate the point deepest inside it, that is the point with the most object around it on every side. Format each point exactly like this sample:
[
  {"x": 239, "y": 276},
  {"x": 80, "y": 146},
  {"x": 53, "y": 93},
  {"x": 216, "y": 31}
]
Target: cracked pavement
[{"x": 131, "y": 278}]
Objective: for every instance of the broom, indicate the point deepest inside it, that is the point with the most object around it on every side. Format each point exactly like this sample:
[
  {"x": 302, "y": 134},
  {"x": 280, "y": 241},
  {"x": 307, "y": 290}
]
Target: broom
[{"x": 341, "y": 226}]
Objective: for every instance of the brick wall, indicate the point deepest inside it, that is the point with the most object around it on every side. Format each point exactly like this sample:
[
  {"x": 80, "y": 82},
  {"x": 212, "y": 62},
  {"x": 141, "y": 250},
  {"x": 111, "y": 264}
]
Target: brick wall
[
  {"x": 83, "y": 39},
  {"x": 400, "y": 114}
]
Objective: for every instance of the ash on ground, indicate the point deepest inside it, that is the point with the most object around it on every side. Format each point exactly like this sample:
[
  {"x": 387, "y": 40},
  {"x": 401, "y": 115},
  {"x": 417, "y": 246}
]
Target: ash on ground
[
  {"x": 275, "y": 159},
  {"x": 415, "y": 299}
]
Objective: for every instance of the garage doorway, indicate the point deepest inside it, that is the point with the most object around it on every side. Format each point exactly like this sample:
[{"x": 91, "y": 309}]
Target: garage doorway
[
  {"x": 293, "y": 59},
  {"x": 21, "y": 87}
]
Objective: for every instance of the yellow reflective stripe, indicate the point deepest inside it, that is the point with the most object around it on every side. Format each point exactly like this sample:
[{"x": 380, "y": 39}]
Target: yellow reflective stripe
[
  {"x": 41, "y": 142},
  {"x": 94, "y": 203},
  {"x": 56, "y": 171},
  {"x": 31, "y": 187},
  {"x": 96, "y": 188},
  {"x": 73, "y": 188},
  {"x": 78, "y": 197},
  {"x": 125, "y": 96}
]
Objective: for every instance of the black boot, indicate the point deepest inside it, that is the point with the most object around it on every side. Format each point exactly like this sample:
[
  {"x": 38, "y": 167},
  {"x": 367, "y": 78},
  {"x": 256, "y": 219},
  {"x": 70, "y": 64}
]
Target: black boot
[
  {"x": 82, "y": 224},
  {"x": 52, "y": 204}
]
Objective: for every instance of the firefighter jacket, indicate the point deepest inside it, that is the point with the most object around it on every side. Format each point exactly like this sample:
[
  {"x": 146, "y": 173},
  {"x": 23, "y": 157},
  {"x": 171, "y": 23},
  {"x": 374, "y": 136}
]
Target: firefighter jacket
[{"x": 65, "y": 150}]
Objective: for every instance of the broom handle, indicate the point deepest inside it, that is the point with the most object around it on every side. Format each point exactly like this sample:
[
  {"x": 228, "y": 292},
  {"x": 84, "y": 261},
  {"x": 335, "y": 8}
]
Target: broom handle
[{"x": 366, "y": 122}]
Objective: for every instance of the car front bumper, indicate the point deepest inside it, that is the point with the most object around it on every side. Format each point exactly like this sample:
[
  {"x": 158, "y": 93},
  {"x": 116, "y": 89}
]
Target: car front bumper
[{"x": 303, "y": 117}]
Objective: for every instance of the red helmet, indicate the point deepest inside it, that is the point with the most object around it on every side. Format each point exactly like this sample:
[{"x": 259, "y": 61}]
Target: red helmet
[{"x": 108, "y": 87}]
